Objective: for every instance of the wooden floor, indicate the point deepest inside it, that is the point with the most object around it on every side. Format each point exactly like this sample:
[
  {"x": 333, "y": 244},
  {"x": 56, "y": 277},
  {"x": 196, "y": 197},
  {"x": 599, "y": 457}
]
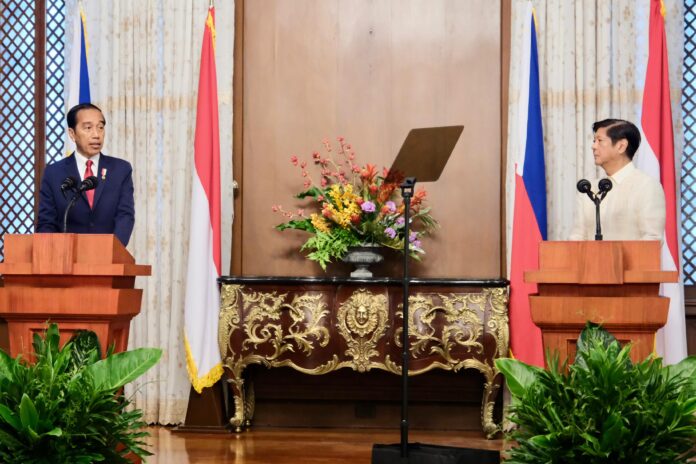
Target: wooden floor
[{"x": 294, "y": 446}]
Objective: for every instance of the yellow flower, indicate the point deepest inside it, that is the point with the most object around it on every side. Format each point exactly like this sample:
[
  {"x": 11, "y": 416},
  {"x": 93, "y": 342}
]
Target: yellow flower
[
  {"x": 320, "y": 223},
  {"x": 344, "y": 205}
]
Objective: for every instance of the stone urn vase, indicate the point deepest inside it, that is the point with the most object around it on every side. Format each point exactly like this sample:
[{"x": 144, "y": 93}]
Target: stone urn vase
[{"x": 362, "y": 256}]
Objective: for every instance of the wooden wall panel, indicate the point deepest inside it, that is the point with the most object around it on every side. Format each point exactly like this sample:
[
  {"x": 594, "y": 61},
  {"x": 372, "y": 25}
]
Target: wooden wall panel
[{"x": 370, "y": 70}]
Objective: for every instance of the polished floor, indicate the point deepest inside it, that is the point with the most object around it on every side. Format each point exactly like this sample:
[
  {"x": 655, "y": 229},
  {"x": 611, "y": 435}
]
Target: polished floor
[{"x": 294, "y": 446}]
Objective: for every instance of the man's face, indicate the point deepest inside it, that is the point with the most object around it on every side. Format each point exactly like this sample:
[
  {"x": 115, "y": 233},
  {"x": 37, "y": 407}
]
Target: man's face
[
  {"x": 88, "y": 134},
  {"x": 605, "y": 152}
]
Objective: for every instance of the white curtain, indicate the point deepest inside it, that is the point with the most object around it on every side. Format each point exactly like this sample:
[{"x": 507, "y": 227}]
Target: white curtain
[
  {"x": 144, "y": 62},
  {"x": 592, "y": 60}
]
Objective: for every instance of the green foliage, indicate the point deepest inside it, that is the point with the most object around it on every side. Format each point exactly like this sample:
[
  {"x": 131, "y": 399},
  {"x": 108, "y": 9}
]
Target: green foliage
[
  {"x": 65, "y": 408},
  {"x": 604, "y": 409},
  {"x": 85, "y": 348},
  {"x": 299, "y": 224},
  {"x": 329, "y": 247}
]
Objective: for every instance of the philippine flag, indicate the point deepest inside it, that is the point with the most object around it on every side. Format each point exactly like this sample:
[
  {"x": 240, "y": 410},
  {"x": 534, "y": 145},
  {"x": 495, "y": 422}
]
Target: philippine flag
[{"x": 529, "y": 204}]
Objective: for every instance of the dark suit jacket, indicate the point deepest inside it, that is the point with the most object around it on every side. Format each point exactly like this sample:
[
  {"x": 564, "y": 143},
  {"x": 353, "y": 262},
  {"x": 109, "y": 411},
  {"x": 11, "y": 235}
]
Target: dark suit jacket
[{"x": 113, "y": 211}]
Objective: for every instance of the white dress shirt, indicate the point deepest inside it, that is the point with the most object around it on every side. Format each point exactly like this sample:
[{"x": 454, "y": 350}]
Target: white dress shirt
[
  {"x": 82, "y": 164},
  {"x": 634, "y": 209}
]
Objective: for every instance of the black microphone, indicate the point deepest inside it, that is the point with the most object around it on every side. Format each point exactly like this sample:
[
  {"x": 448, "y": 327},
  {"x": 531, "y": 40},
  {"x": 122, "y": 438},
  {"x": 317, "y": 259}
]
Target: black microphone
[
  {"x": 604, "y": 186},
  {"x": 89, "y": 183},
  {"x": 584, "y": 186},
  {"x": 68, "y": 184}
]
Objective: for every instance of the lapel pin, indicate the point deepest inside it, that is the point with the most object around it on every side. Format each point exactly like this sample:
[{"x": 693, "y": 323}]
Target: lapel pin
[{"x": 103, "y": 176}]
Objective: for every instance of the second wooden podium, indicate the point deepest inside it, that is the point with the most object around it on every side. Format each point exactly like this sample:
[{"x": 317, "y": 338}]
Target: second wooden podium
[
  {"x": 79, "y": 281},
  {"x": 612, "y": 283}
]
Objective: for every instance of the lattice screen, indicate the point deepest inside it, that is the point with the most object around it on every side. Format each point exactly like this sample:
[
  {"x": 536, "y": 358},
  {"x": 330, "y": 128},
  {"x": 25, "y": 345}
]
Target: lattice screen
[
  {"x": 55, "y": 78},
  {"x": 18, "y": 36},
  {"x": 689, "y": 158},
  {"x": 17, "y": 118}
]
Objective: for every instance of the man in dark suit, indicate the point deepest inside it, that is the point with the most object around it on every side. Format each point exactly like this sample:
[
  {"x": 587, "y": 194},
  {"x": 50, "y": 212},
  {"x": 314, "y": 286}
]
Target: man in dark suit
[{"x": 108, "y": 209}]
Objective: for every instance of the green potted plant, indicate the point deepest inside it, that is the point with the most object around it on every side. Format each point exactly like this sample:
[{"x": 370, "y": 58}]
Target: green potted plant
[
  {"x": 602, "y": 408},
  {"x": 66, "y": 407}
]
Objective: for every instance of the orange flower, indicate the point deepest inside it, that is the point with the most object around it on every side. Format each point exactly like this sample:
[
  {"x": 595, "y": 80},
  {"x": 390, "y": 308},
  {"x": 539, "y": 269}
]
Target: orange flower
[
  {"x": 385, "y": 192},
  {"x": 418, "y": 198},
  {"x": 368, "y": 173},
  {"x": 393, "y": 177}
]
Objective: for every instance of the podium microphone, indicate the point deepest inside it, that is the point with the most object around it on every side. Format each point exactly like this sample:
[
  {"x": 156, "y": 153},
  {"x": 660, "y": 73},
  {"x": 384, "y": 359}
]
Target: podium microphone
[
  {"x": 68, "y": 184},
  {"x": 584, "y": 186},
  {"x": 88, "y": 184},
  {"x": 604, "y": 185}
]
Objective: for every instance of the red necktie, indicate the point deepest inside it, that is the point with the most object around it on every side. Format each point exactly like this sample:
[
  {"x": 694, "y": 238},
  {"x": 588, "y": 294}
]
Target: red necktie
[{"x": 89, "y": 193}]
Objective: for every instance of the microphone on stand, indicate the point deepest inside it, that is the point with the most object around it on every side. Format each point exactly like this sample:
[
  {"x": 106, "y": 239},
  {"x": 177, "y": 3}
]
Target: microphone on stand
[
  {"x": 604, "y": 186},
  {"x": 584, "y": 186},
  {"x": 68, "y": 184},
  {"x": 88, "y": 184}
]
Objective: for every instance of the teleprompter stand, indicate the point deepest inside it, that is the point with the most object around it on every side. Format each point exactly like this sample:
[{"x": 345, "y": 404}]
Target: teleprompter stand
[{"x": 422, "y": 157}]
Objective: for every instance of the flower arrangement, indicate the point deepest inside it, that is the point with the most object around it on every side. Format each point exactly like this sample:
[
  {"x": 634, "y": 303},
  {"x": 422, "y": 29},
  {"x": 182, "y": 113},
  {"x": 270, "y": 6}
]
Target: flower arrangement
[{"x": 355, "y": 206}]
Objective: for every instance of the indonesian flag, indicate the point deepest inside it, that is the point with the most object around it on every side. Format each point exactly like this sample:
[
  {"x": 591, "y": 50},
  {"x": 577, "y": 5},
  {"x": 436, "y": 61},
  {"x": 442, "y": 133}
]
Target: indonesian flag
[
  {"x": 529, "y": 204},
  {"x": 77, "y": 81},
  {"x": 656, "y": 157},
  {"x": 202, "y": 305}
]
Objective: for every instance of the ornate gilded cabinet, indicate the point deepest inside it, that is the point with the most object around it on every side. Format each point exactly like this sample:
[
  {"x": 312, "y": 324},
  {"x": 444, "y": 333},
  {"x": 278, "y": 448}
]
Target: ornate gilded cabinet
[{"x": 318, "y": 325}]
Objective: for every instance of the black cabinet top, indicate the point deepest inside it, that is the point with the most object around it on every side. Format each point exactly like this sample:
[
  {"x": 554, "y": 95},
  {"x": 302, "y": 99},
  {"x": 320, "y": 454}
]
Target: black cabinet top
[{"x": 279, "y": 280}]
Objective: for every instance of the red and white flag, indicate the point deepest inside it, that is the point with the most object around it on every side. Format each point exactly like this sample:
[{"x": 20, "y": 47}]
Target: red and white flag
[
  {"x": 656, "y": 157},
  {"x": 202, "y": 306}
]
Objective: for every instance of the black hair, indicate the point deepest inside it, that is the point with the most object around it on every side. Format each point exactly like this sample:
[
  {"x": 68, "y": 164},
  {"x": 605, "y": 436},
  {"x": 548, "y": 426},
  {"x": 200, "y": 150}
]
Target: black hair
[
  {"x": 618, "y": 129},
  {"x": 71, "y": 118}
]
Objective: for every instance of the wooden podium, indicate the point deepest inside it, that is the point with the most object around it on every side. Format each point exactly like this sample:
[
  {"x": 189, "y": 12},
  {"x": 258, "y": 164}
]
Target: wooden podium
[
  {"x": 79, "y": 281},
  {"x": 612, "y": 283}
]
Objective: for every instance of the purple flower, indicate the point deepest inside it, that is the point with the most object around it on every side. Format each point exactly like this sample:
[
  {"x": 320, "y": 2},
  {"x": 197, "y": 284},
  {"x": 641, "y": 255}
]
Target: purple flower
[
  {"x": 412, "y": 237},
  {"x": 391, "y": 205},
  {"x": 368, "y": 207},
  {"x": 391, "y": 233},
  {"x": 416, "y": 244},
  {"x": 400, "y": 221}
]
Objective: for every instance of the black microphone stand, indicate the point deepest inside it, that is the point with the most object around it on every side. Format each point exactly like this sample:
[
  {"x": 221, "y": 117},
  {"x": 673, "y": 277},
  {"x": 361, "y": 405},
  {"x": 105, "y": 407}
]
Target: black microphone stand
[
  {"x": 585, "y": 187},
  {"x": 604, "y": 187},
  {"x": 73, "y": 200},
  {"x": 424, "y": 153},
  {"x": 407, "y": 188},
  {"x": 598, "y": 227}
]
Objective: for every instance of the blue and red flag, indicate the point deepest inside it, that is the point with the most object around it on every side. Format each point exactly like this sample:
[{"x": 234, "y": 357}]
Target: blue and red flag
[
  {"x": 529, "y": 210},
  {"x": 77, "y": 79}
]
